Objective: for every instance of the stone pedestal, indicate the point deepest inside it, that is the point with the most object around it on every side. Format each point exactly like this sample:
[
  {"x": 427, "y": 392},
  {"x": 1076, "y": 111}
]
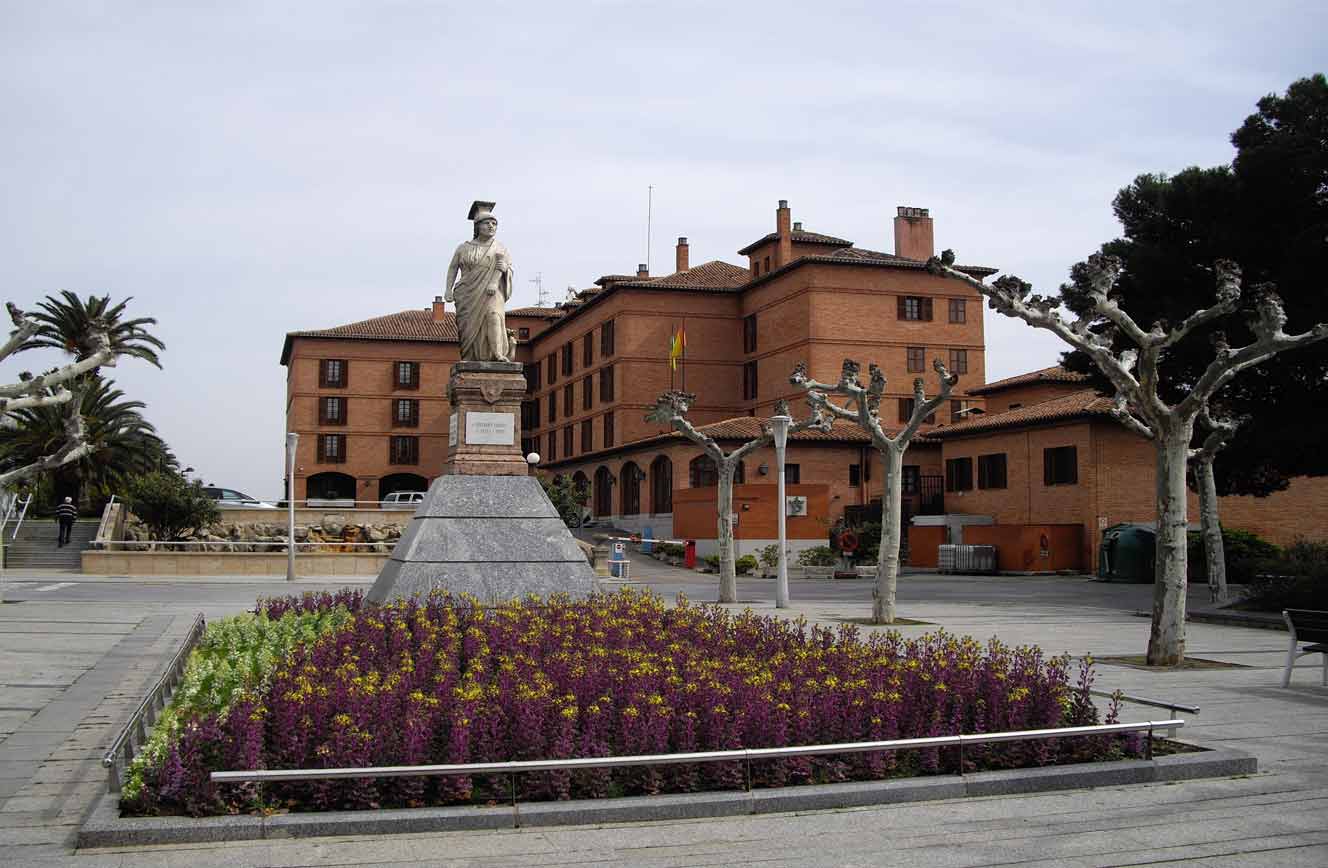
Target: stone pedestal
[
  {"x": 486, "y": 527},
  {"x": 484, "y": 431}
]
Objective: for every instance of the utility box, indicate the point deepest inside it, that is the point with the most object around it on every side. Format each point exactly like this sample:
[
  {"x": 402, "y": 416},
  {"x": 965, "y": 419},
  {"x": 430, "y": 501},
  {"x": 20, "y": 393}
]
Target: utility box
[
  {"x": 967, "y": 559},
  {"x": 1128, "y": 553}
]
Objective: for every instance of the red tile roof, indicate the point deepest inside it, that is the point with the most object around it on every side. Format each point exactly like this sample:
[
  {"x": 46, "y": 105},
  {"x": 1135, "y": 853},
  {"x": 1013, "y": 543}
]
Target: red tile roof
[
  {"x": 749, "y": 428},
  {"x": 799, "y": 237},
  {"x": 408, "y": 325},
  {"x": 1084, "y": 404},
  {"x": 546, "y": 312},
  {"x": 1054, "y": 374},
  {"x": 712, "y": 275}
]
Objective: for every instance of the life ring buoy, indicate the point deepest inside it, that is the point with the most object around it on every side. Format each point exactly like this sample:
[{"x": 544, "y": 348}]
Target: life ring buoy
[{"x": 848, "y": 542}]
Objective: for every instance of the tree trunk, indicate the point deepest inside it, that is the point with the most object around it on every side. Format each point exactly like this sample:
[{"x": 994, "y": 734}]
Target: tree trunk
[
  {"x": 1215, "y": 556},
  {"x": 892, "y": 516},
  {"x": 728, "y": 571},
  {"x": 1166, "y": 642}
]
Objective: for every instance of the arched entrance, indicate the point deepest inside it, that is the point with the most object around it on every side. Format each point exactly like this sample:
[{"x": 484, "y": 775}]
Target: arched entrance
[
  {"x": 401, "y": 482},
  {"x": 702, "y": 472},
  {"x": 330, "y": 486},
  {"x": 661, "y": 485},
  {"x": 603, "y": 492},
  {"x": 631, "y": 488}
]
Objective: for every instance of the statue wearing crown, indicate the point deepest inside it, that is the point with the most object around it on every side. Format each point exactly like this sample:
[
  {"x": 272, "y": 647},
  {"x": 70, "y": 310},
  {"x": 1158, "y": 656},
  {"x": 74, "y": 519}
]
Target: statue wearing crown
[{"x": 479, "y": 282}]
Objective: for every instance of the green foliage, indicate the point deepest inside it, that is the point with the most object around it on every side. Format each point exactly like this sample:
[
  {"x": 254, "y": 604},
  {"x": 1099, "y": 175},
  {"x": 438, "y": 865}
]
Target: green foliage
[
  {"x": 169, "y": 505},
  {"x": 669, "y": 550},
  {"x": 235, "y": 655},
  {"x": 1295, "y": 579},
  {"x": 711, "y": 561},
  {"x": 1267, "y": 212},
  {"x": 817, "y": 556},
  {"x": 67, "y": 323},
  {"x": 745, "y": 565},
  {"x": 567, "y": 498},
  {"x": 769, "y": 556},
  {"x": 1244, "y": 551}
]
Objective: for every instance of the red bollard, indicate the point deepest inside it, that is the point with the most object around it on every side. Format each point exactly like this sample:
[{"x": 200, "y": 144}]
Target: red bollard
[{"x": 689, "y": 554}]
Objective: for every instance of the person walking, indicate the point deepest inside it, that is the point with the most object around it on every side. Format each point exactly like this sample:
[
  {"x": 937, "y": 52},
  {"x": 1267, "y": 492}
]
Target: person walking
[{"x": 65, "y": 513}]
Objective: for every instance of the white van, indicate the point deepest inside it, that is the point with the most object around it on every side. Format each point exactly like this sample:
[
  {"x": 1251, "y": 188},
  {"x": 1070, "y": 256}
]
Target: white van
[{"x": 403, "y": 500}]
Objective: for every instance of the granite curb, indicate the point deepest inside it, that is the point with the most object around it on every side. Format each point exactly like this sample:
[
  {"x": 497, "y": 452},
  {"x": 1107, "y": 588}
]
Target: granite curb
[{"x": 105, "y": 828}]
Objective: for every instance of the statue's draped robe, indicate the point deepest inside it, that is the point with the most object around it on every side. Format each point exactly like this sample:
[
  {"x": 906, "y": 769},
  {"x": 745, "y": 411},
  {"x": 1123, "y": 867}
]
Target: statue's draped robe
[{"x": 480, "y": 315}]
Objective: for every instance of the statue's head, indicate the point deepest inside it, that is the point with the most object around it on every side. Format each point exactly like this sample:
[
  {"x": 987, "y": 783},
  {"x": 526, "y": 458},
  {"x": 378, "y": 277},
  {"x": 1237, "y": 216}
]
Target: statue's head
[{"x": 486, "y": 226}]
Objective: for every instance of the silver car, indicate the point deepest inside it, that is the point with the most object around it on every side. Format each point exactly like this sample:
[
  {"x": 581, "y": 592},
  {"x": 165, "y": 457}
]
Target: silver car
[
  {"x": 402, "y": 500},
  {"x": 228, "y": 498}
]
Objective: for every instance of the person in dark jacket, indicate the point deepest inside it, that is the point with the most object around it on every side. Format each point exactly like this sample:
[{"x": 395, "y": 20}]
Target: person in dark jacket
[{"x": 65, "y": 513}]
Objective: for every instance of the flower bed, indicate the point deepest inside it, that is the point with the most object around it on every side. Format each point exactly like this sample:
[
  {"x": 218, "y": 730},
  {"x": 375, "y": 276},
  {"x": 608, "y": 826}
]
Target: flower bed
[{"x": 445, "y": 681}]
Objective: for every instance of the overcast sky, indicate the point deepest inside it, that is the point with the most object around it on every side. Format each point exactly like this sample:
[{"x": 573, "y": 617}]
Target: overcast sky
[{"x": 243, "y": 170}]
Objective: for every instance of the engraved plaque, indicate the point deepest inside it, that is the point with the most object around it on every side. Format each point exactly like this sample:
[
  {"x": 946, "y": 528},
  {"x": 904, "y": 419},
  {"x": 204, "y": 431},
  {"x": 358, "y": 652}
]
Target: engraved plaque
[
  {"x": 490, "y": 429},
  {"x": 452, "y": 430}
]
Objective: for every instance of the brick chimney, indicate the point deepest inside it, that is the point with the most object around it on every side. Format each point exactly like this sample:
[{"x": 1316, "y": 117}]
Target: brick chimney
[
  {"x": 438, "y": 308},
  {"x": 680, "y": 257},
  {"x": 642, "y": 272},
  {"x": 784, "y": 233},
  {"x": 913, "y": 234}
]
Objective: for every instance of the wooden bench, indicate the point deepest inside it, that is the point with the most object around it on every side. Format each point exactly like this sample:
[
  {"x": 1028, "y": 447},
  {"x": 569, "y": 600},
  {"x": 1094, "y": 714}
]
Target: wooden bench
[{"x": 1306, "y": 625}]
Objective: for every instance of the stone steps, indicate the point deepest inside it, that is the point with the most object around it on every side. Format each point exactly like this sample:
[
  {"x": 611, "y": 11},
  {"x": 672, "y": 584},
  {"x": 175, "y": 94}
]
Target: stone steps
[{"x": 35, "y": 547}]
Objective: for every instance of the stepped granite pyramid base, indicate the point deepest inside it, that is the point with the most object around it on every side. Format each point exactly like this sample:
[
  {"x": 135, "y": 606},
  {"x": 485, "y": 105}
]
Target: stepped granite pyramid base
[{"x": 494, "y": 537}]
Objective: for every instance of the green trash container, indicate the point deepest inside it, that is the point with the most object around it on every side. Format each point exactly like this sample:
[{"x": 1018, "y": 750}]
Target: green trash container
[{"x": 1127, "y": 553}]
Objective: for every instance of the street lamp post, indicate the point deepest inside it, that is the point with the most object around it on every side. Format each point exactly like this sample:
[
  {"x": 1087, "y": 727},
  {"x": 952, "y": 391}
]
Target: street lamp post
[
  {"x": 779, "y": 426},
  {"x": 291, "y": 440}
]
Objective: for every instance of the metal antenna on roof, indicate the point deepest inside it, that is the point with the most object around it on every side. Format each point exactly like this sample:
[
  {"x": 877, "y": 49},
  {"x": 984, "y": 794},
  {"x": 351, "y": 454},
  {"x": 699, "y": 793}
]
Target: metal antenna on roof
[
  {"x": 650, "y": 207},
  {"x": 541, "y": 295}
]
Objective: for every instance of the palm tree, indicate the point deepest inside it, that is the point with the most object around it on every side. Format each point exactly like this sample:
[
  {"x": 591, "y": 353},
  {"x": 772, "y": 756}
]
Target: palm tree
[
  {"x": 124, "y": 443},
  {"x": 68, "y": 321}
]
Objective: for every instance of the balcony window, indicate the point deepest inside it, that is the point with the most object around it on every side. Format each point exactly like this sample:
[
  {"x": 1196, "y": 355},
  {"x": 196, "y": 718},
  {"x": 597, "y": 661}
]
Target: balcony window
[
  {"x": 959, "y": 474},
  {"x": 1060, "y": 466},
  {"x": 332, "y": 411},
  {"x": 331, "y": 448},
  {"x": 406, "y": 375},
  {"x": 404, "y": 450},
  {"x": 406, "y": 413},
  {"x": 917, "y": 359},
  {"x": 333, "y": 373},
  {"x": 914, "y": 307}
]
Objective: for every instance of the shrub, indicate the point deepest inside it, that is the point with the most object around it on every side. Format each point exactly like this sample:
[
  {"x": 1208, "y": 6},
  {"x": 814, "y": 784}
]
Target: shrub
[
  {"x": 169, "y": 505},
  {"x": 567, "y": 498},
  {"x": 669, "y": 550},
  {"x": 442, "y": 680},
  {"x": 817, "y": 556},
  {"x": 1297, "y": 579},
  {"x": 711, "y": 562},
  {"x": 744, "y": 565},
  {"x": 1244, "y": 552}
]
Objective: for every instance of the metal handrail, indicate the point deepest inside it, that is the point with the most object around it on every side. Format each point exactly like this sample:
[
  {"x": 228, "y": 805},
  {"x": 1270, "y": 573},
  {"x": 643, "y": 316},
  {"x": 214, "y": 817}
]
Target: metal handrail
[
  {"x": 154, "y": 702},
  {"x": 741, "y": 754},
  {"x": 22, "y": 513},
  {"x": 1173, "y": 707}
]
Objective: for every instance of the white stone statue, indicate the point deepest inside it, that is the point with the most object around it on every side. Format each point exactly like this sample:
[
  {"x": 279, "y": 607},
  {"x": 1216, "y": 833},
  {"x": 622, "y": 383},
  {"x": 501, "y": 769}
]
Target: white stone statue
[{"x": 481, "y": 290}]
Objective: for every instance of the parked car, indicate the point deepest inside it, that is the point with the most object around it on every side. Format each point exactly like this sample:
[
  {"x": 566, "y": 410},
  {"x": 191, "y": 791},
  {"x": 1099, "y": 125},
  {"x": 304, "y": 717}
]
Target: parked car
[
  {"x": 402, "y": 500},
  {"x": 228, "y": 498}
]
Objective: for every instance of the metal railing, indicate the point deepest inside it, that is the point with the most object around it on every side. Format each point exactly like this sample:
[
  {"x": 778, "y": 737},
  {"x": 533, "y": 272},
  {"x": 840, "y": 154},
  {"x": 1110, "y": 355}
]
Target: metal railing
[
  {"x": 135, "y": 732},
  {"x": 1170, "y": 706},
  {"x": 746, "y": 755},
  {"x": 18, "y": 523}
]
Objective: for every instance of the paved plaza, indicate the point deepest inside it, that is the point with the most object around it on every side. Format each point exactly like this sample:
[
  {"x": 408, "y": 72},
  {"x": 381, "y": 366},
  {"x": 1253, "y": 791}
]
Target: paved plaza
[{"x": 77, "y": 653}]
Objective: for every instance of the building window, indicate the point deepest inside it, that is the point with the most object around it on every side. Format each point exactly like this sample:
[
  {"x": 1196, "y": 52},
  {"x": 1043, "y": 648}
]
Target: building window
[
  {"x": 1060, "y": 466},
  {"x": 756, "y": 268},
  {"x": 608, "y": 430},
  {"x": 631, "y": 477},
  {"x": 606, "y": 385},
  {"x": 749, "y": 333},
  {"x": 606, "y": 339},
  {"x": 567, "y": 358},
  {"x": 959, "y": 474},
  {"x": 406, "y": 375},
  {"x": 958, "y": 311},
  {"x": 587, "y": 437},
  {"x": 587, "y": 393},
  {"x": 530, "y": 416},
  {"x": 332, "y": 448},
  {"x": 553, "y": 406},
  {"x": 405, "y": 450},
  {"x": 959, "y": 361},
  {"x": 912, "y": 479},
  {"x": 661, "y": 485},
  {"x": 533, "y": 376},
  {"x": 529, "y": 445},
  {"x": 553, "y": 447},
  {"x": 568, "y": 400},
  {"x": 917, "y": 360},
  {"x": 405, "y": 413},
  {"x": 914, "y": 307},
  {"x": 855, "y": 475},
  {"x": 553, "y": 368},
  {"x": 792, "y": 474},
  {"x": 749, "y": 381},
  {"x": 906, "y": 412},
  {"x": 587, "y": 350},
  {"x": 333, "y": 373},
  {"x": 991, "y": 471},
  {"x": 568, "y": 445},
  {"x": 332, "y": 411},
  {"x": 767, "y": 265},
  {"x": 523, "y": 334},
  {"x": 702, "y": 472},
  {"x": 956, "y": 411}
]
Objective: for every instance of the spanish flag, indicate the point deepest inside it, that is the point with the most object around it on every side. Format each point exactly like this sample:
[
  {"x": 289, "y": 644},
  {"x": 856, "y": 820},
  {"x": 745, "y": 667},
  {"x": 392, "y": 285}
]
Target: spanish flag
[{"x": 677, "y": 344}]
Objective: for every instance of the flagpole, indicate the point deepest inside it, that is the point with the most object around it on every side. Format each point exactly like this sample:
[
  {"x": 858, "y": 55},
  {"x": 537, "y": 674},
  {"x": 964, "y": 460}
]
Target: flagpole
[{"x": 673, "y": 336}]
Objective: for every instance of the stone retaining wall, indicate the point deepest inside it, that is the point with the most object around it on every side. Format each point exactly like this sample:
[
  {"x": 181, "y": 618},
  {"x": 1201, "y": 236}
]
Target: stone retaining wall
[{"x": 120, "y": 563}]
